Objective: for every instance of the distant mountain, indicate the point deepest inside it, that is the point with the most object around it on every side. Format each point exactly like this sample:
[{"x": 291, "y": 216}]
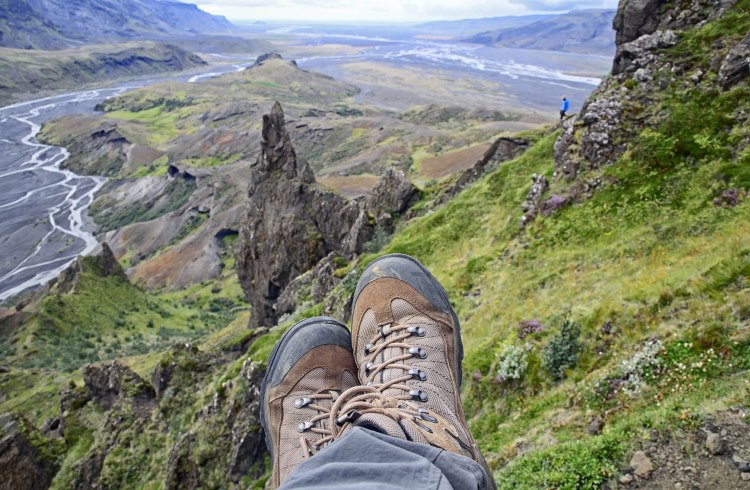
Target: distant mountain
[
  {"x": 580, "y": 31},
  {"x": 56, "y": 24},
  {"x": 24, "y": 73},
  {"x": 467, "y": 27}
]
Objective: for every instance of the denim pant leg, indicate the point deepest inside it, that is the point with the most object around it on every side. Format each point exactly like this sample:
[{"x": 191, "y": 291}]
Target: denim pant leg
[{"x": 367, "y": 460}]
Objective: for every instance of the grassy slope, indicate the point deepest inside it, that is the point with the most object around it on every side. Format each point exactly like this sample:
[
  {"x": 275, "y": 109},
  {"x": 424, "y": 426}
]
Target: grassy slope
[{"x": 649, "y": 257}]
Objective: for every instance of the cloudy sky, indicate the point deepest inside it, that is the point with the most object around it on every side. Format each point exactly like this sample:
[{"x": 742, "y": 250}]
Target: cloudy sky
[{"x": 388, "y": 10}]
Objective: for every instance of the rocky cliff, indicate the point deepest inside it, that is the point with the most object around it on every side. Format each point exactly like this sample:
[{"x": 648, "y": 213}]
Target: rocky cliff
[{"x": 661, "y": 81}]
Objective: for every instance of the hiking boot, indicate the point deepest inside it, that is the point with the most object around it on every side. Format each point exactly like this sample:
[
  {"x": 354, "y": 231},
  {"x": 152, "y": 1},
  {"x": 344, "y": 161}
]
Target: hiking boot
[
  {"x": 308, "y": 369},
  {"x": 407, "y": 346}
]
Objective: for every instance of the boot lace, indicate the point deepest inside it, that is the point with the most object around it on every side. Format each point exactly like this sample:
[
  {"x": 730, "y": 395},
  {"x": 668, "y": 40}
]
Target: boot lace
[
  {"x": 406, "y": 406},
  {"x": 314, "y": 426}
]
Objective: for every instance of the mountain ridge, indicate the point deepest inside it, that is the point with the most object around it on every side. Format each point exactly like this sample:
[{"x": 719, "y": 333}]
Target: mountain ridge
[
  {"x": 56, "y": 24},
  {"x": 584, "y": 31}
]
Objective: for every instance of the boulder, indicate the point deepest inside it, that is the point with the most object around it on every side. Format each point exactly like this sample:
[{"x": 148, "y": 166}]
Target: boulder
[
  {"x": 182, "y": 472},
  {"x": 596, "y": 426},
  {"x": 534, "y": 198},
  {"x": 736, "y": 65},
  {"x": 714, "y": 443},
  {"x": 111, "y": 382},
  {"x": 393, "y": 193},
  {"x": 641, "y": 465}
]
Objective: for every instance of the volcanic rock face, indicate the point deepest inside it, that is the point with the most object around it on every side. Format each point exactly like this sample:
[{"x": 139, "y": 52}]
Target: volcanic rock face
[
  {"x": 638, "y": 18},
  {"x": 290, "y": 223},
  {"x": 111, "y": 381},
  {"x": 22, "y": 466},
  {"x": 635, "y": 18},
  {"x": 736, "y": 65}
]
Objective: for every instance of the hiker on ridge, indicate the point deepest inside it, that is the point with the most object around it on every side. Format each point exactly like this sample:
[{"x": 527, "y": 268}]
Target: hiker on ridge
[{"x": 564, "y": 108}]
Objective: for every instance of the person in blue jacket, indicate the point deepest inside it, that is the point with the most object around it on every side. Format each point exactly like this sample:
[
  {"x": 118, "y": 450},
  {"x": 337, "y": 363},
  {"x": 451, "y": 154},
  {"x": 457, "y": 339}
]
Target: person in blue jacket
[{"x": 564, "y": 108}]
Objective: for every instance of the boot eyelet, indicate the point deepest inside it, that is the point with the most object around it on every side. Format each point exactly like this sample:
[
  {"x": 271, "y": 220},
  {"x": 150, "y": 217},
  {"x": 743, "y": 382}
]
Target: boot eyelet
[
  {"x": 418, "y": 352},
  {"x": 417, "y": 330},
  {"x": 418, "y": 395},
  {"x": 418, "y": 374},
  {"x": 369, "y": 348},
  {"x": 348, "y": 417},
  {"x": 385, "y": 331},
  {"x": 305, "y": 426},
  {"x": 368, "y": 368},
  {"x": 302, "y": 402}
]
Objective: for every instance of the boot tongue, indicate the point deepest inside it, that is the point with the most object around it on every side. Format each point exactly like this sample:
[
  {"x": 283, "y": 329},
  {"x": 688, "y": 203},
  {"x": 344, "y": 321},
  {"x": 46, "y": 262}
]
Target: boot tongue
[
  {"x": 389, "y": 374},
  {"x": 386, "y": 425}
]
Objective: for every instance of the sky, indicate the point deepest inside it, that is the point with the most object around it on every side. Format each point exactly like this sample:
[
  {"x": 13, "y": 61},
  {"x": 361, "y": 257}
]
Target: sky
[{"x": 388, "y": 10}]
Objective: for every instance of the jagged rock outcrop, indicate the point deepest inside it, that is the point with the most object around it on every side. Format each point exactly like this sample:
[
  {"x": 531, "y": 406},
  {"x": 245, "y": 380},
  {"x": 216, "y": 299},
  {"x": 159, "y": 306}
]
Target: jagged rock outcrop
[
  {"x": 502, "y": 150},
  {"x": 22, "y": 465},
  {"x": 182, "y": 471},
  {"x": 248, "y": 445},
  {"x": 634, "y": 18},
  {"x": 392, "y": 195},
  {"x": 534, "y": 198},
  {"x": 736, "y": 65},
  {"x": 268, "y": 56},
  {"x": 109, "y": 382},
  {"x": 596, "y": 144},
  {"x": 639, "y": 54},
  {"x": 290, "y": 223},
  {"x": 101, "y": 261}
]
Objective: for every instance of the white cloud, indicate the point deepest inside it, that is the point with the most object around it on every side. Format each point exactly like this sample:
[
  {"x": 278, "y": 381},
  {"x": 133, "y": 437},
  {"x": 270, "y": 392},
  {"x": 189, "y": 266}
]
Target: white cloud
[{"x": 387, "y": 10}]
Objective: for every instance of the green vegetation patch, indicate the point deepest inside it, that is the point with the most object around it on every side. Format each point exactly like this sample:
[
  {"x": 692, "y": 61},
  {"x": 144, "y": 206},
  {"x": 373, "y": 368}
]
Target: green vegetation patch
[{"x": 178, "y": 192}]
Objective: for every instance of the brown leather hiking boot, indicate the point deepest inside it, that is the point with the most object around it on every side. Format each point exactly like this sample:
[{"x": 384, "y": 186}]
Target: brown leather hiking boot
[
  {"x": 407, "y": 346},
  {"x": 308, "y": 369}
]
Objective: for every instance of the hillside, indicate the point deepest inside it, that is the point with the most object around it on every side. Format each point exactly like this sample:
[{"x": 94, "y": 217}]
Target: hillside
[
  {"x": 578, "y": 31},
  {"x": 600, "y": 269},
  {"x": 467, "y": 27},
  {"x": 178, "y": 155},
  {"x": 55, "y": 24},
  {"x": 25, "y": 73}
]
